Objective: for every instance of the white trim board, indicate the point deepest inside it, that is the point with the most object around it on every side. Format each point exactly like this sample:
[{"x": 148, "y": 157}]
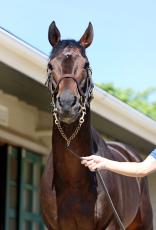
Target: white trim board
[{"x": 21, "y": 141}]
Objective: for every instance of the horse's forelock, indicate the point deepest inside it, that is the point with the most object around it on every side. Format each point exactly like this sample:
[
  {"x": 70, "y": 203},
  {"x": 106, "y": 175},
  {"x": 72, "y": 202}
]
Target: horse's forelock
[{"x": 67, "y": 43}]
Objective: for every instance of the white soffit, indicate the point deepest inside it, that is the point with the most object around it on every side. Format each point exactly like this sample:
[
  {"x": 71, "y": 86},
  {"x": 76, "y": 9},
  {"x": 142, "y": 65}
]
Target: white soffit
[{"x": 32, "y": 63}]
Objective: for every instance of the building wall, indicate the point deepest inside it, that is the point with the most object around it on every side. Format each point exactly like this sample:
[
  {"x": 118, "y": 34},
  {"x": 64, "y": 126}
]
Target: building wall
[
  {"x": 24, "y": 120},
  {"x": 22, "y": 117}
]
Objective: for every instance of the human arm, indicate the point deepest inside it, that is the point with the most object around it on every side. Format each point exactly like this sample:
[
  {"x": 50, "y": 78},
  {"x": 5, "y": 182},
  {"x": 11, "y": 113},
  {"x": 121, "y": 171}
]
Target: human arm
[{"x": 133, "y": 169}]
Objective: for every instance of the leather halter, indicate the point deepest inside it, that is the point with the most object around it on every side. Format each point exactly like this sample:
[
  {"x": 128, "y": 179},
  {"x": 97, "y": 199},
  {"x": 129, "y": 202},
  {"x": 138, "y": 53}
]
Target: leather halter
[
  {"x": 54, "y": 87},
  {"x": 85, "y": 98}
]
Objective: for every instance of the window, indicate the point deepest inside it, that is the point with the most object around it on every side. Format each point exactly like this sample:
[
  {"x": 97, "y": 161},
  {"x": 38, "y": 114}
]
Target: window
[{"x": 21, "y": 193}]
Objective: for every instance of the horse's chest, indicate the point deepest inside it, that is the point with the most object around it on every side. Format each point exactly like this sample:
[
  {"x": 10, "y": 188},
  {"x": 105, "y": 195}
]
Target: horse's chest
[{"x": 76, "y": 208}]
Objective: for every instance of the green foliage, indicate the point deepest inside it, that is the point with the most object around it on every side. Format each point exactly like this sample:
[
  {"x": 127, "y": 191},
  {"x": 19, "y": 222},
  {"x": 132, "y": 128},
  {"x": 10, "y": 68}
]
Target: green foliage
[{"x": 138, "y": 100}]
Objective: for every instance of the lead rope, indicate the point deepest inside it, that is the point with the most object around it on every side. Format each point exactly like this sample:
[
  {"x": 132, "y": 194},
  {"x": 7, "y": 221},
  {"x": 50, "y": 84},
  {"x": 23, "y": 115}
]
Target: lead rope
[{"x": 118, "y": 219}]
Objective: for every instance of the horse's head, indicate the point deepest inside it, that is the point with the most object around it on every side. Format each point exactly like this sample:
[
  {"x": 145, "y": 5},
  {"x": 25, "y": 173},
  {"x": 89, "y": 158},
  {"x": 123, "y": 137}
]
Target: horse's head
[{"x": 69, "y": 74}]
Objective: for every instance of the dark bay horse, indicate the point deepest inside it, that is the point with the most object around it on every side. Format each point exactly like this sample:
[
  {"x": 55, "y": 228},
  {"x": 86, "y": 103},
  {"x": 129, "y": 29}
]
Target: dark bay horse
[{"x": 72, "y": 198}]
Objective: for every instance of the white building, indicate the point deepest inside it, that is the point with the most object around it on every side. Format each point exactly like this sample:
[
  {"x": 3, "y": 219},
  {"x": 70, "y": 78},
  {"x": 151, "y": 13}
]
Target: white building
[{"x": 25, "y": 130}]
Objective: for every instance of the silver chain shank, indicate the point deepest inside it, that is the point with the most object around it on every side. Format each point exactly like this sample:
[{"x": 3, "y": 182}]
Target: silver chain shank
[{"x": 57, "y": 122}]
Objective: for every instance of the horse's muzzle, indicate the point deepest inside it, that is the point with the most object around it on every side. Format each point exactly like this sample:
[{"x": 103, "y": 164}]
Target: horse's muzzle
[
  {"x": 68, "y": 115},
  {"x": 68, "y": 107}
]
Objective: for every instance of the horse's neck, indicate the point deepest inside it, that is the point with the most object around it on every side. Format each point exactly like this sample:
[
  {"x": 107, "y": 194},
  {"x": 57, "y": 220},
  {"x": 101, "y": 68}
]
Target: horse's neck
[{"x": 65, "y": 163}]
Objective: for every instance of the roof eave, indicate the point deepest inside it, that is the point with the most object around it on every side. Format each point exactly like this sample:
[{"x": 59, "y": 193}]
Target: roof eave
[{"x": 32, "y": 63}]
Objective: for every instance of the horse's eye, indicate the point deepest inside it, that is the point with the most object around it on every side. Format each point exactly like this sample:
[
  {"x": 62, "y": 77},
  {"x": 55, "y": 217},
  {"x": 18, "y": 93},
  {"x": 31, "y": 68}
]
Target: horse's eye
[
  {"x": 86, "y": 65},
  {"x": 50, "y": 66}
]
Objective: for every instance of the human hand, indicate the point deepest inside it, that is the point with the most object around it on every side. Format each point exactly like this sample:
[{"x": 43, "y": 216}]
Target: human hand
[{"x": 94, "y": 162}]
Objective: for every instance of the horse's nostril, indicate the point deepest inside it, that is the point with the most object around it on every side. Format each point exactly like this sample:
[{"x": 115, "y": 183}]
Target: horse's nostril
[
  {"x": 66, "y": 103},
  {"x": 59, "y": 100},
  {"x": 74, "y": 101}
]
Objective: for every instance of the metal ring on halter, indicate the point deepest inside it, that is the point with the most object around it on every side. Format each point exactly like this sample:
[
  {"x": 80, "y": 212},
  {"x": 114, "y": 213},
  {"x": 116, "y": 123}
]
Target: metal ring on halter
[
  {"x": 56, "y": 122},
  {"x": 83, "y": 108},
  {"x": 81, "y": 120}
]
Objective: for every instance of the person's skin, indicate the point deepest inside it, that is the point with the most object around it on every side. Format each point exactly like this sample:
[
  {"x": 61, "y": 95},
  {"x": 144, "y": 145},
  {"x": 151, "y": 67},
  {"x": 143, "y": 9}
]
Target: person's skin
[{"x": 132, "y": 169}]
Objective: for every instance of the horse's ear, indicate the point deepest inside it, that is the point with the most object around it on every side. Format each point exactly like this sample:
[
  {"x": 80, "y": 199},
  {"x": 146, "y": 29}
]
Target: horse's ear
[
  {"x": 53, "y": 34},
  {"x": 87, "y": 37}
]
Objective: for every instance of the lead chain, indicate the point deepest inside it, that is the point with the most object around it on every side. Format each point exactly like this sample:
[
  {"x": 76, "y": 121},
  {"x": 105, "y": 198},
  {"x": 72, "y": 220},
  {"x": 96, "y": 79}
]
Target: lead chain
[
  {"x": 57, "y": 122},
  {"x": 68, "y": 140}
]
